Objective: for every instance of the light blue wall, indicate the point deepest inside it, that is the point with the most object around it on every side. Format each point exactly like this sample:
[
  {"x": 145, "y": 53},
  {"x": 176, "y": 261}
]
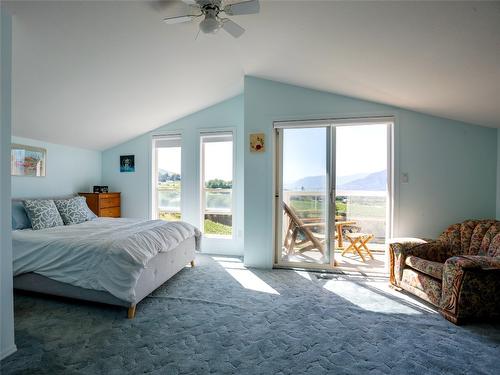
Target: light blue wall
[
  {"x": 7, "y": 345},
  {"x": 69, "y": 170},
  {"x": 451, "y": 165},
  {"x": 136, "y": 187}
]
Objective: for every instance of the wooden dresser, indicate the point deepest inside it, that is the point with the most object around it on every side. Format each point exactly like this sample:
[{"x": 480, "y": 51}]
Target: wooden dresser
[{"x": 104, "y": 204}]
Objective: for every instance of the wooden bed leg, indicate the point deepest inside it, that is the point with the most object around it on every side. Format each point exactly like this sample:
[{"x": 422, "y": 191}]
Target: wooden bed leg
[
  {"x": 192, "y": 263},
  {"x": 131, "y": 312}
]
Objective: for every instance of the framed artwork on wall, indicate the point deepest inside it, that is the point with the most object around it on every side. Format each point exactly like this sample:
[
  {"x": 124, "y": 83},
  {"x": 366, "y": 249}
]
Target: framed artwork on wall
[
  {"x": 27, "y": 160},
  {"x": 127, "y": 163},
  {"x": 257, "y": 142}
]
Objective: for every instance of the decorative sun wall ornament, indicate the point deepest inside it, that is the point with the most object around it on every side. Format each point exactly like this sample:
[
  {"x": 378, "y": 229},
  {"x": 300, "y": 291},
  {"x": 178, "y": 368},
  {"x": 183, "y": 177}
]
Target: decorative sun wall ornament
[{"x": 257, "y": 142}]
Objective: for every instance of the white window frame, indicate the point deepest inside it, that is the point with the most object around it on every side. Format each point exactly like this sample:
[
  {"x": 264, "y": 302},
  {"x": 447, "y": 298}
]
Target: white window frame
[
  {"x": 217, "y": 134},
  {"x": 175, "y": 138}
]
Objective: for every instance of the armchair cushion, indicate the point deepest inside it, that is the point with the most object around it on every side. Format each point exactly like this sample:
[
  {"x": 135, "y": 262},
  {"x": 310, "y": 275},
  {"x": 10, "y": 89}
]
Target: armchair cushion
[
  {"x": 434, "y": 269},
  {"x": 434, "y": 251},
  {"x": 423, "y": 286}
]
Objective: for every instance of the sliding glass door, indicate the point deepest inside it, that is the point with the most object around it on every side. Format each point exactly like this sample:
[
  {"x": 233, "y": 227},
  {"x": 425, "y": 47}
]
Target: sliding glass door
[
  {"x": 303, "y": 196},
  {"x": 361, "y": 189},
  {"x": 332, "y": 188}
]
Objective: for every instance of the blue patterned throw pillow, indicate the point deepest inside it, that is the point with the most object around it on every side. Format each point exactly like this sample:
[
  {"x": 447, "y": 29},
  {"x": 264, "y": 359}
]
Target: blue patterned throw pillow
[
  {"x": 42, "y": 213},
  {"x": 73, "y": 210}
]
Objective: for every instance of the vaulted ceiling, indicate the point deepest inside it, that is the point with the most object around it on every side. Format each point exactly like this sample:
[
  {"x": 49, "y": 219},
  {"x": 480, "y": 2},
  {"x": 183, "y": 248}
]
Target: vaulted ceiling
[{"x": 94, "y": 74}]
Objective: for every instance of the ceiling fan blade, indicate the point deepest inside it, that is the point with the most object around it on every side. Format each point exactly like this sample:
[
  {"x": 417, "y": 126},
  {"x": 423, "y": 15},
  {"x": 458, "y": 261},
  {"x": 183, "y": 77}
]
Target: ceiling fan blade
[
  {"x": 246, "y": 7},
  {"x": 232, "y": 28},
  {"x": 232, "y": 2},
  {"x": 179, "y": 19},
  {"x": 161, "y": 5}
]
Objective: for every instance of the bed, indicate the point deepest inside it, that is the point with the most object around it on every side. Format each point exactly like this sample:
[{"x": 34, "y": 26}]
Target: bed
[{"x": 112, "y": 261}]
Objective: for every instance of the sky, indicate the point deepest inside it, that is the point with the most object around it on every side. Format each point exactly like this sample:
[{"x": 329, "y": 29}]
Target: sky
[
  {"x": 218, "y": 160},
  {"x": 359, "y": 149},
  {"x": 169, "y": 159}
]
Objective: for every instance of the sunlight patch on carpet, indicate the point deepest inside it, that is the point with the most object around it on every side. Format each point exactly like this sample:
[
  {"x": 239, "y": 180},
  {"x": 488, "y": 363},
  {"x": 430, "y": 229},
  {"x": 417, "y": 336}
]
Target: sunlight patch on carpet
[
  {"x": 304, "y": 274},
  {"x": 376, "y": 297},
  {"x": 244, "y": 276}
]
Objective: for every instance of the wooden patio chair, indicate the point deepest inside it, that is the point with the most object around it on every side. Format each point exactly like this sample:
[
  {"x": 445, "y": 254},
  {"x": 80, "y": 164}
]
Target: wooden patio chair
[{"x": 296, "y": 226}]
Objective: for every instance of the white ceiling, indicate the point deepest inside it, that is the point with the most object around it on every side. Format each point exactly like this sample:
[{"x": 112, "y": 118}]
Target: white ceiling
[{"x": 94, "y": 74}]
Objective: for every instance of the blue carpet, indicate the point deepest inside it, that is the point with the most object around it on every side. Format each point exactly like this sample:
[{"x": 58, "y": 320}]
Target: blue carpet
[{"x": 221, "y": 318}]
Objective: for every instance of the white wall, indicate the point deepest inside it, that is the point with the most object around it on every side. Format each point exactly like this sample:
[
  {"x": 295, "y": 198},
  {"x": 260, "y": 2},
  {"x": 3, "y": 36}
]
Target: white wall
[
  {"x": 452, "y": 166},
  {"x": 136, "y": 187},
  {"x": 69, "y": 170},
  {"x": 7, "y": 345}
]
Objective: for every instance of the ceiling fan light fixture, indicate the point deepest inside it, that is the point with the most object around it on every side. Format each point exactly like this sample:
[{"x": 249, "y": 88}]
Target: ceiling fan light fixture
[
  {"x": 214, "y": 14},
  {"x": 210, "y": 25}
]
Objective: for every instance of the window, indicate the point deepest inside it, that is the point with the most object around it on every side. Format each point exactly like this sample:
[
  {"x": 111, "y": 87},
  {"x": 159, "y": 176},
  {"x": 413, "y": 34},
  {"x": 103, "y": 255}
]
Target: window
[
  {"x": 217, "y": 184},
  {"x": 167, "y": 177}
]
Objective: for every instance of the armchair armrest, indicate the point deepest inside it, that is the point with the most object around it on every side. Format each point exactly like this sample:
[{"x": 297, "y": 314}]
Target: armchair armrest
[
  {"x": 485, "y": 263},
  {"x": 454, "y": 273},
  {"x": 398, "y": 251}
]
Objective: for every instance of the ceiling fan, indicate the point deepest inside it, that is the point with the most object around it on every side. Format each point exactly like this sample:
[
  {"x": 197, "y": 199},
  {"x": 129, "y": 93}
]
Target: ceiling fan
[{"x": 212, "y": 11}]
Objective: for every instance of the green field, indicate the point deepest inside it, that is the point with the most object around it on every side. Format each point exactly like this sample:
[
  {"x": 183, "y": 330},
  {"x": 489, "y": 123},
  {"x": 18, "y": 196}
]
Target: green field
[
  {"x": 353, "y": 207},
  {"x": 369, "y": 212}
]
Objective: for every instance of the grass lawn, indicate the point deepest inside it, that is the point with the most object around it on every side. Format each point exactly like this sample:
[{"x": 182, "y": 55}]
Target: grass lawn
[
  {"x": 170, "y": 216},
  {"x": 211, "y": 227},
  {"x": 169, "y": 185}
]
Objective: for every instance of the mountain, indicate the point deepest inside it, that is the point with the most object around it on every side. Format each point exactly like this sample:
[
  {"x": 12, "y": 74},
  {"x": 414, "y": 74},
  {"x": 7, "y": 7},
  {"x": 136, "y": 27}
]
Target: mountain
[
  {"x": 361, "y": 181},
  {"x": 373, "y": 182},
  {"x": 310, "y": 183},
  {"x": 345, "y": 179},
  {"x": 317, "y": 183}
]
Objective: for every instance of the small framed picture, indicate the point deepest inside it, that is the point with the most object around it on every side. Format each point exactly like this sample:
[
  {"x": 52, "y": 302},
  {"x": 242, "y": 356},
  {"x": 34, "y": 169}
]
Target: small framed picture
[
  {"x": 27, "y": 161},
  {"x": 127, "y": 163},
  {"x": 257, "y": 143}
]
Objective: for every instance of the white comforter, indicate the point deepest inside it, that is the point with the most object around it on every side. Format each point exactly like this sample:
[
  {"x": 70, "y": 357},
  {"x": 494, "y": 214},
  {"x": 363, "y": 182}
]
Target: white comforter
[{"x": 102, "y": 254}]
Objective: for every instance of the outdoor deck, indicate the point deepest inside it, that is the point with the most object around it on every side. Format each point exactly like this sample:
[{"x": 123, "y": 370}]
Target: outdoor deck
[{"x": 349, "y": 262}]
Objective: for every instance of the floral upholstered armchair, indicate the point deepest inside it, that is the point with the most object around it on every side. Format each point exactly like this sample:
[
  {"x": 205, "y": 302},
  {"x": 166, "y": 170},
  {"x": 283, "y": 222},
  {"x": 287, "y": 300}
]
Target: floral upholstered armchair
[{"x": 459, "y": 272}]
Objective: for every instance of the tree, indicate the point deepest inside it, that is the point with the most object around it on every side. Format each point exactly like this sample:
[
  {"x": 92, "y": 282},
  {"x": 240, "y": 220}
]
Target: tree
[{"x": 217, "y": 183}]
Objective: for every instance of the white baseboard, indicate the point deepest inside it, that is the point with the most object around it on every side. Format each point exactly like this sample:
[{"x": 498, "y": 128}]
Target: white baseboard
[
  {"x": 221, "y": 251},
  {"x": 8, "y": 352}
]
